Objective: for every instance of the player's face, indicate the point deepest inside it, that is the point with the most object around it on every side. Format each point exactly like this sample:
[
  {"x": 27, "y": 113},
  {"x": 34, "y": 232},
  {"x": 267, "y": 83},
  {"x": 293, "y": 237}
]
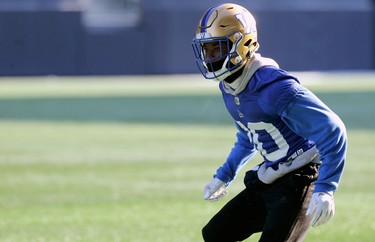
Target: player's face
[{"x": 215, "y": 50}]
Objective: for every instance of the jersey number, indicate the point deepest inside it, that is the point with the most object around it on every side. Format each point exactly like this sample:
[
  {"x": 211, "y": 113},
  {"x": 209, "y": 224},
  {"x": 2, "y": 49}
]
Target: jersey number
[{"x": 275, "y": 148}]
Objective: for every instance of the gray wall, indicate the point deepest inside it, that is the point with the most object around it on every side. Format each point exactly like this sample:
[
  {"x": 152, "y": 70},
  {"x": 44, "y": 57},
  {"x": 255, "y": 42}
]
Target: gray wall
[{"x": 300, "y": 37}]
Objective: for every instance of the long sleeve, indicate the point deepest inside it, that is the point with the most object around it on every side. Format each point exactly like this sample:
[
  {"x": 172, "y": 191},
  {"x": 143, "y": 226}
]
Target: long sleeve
[
  {"x": 309, "y": 117},
  {"x": 240, "y": 154}
]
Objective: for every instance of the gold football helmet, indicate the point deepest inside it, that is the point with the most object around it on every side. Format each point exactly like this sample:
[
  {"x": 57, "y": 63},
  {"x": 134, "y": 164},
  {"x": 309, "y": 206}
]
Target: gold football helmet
[{"x": 225, "y": 39}]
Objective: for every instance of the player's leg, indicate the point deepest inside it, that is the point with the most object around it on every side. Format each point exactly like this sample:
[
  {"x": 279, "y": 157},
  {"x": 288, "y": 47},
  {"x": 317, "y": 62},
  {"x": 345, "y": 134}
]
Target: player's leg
[
  {"x": 237, "y": 220},
  {"x": 298, "y": 230},
  {"x": 287, "y": 201}
]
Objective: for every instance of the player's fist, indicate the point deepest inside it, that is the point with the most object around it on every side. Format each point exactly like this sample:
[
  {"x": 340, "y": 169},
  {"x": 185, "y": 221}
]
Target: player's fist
[
  {"x": 322, "y": 206},
  {"x": 215, "y": 190}
]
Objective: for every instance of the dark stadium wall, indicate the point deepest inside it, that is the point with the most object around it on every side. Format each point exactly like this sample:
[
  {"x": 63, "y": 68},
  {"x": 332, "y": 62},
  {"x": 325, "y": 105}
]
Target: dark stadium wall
[{"x": 56, "y": 42}]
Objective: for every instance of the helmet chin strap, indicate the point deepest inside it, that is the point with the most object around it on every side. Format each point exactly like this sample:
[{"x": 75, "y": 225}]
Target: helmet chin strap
[
  {"x": 232, "y": 77},
  {"x": 229, "y": 67}
]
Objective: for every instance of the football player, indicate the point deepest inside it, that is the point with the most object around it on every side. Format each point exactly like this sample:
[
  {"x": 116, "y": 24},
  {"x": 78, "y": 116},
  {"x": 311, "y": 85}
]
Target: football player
[{"x": 302, "y": 142}]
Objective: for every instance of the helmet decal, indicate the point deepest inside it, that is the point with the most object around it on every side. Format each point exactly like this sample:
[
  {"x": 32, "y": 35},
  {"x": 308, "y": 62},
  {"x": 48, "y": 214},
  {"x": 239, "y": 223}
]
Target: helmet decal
[
  {"x": 248, "y": 27},
  {"x": 205, "y": 18}
]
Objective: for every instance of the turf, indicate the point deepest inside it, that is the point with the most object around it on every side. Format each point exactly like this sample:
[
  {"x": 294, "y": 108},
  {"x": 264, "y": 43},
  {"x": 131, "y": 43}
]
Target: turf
[{"x": 126, "y": 158}]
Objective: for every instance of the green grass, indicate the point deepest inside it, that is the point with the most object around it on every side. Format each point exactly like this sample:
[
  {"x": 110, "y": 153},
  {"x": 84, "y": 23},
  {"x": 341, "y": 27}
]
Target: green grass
[{"x": 126, "y": 158}]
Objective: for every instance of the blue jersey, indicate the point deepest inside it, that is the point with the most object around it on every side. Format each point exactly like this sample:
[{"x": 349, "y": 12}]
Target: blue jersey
[{"x": 276, "y": 116}]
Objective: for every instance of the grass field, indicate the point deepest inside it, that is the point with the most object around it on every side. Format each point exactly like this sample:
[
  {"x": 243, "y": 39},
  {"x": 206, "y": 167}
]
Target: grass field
[{"x": 126, "y": 158}]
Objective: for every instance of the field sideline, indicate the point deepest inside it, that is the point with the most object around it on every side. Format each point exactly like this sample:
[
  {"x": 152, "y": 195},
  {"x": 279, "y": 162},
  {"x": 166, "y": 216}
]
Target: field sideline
[{"x": 126, "y": 158}]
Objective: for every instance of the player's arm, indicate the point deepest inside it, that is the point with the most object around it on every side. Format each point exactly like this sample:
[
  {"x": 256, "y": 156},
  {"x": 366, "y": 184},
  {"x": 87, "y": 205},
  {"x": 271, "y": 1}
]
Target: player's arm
[
  {"x": 309, "y": 117},
  {"x": 240, "y": 154}
]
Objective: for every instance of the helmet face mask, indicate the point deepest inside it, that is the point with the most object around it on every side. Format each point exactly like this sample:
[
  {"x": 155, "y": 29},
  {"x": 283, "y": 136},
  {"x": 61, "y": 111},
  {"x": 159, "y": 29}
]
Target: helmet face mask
[
  {"x": 215, "y": 56},
  {"x": 225, "y": 39}
]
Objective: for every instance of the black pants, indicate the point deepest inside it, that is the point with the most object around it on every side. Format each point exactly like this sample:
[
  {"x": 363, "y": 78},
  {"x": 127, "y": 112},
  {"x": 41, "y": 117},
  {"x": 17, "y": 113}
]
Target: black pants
[{"x": 277, "y": 210}]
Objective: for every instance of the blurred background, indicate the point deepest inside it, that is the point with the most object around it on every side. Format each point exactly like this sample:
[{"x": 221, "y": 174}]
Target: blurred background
[
  {"x": 108, "y": 132},
  {"x": 120, "y": 37}
]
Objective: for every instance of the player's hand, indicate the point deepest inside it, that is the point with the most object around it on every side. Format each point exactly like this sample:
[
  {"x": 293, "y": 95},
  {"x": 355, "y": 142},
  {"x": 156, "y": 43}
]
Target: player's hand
[
  {"x": 322, "y": 206},
  {"x": 215, "y": 190}
]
